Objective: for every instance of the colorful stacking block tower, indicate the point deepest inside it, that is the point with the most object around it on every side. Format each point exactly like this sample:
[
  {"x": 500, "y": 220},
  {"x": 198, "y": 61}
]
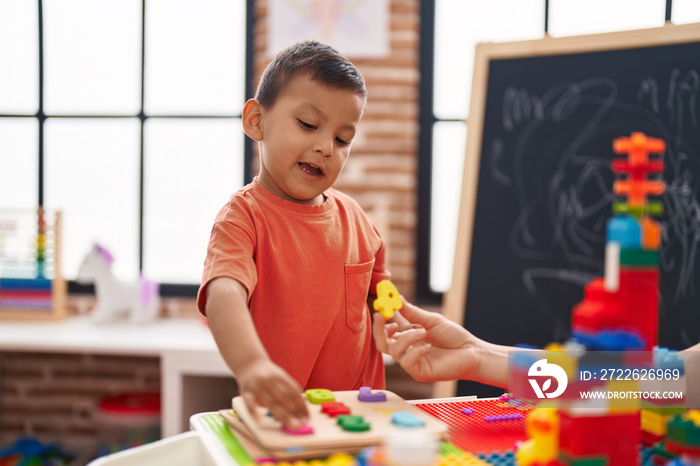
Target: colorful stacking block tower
[{"x": 621, "y": 311}]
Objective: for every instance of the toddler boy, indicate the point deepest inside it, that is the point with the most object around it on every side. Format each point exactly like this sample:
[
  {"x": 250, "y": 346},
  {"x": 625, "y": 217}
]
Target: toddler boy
[{"x": 291, "y": 261}]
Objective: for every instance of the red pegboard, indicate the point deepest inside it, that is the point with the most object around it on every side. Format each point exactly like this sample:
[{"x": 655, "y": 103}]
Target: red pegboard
[{"x": 474, "y": 435}]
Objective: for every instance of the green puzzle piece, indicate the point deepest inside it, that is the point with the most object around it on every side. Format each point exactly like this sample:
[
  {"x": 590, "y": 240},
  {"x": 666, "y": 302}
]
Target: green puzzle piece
[{"x": 353, "y": 423}]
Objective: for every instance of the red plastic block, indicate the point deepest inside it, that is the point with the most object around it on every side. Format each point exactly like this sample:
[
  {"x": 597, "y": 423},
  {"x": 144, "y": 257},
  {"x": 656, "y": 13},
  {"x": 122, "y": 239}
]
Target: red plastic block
[
  {"x": 334, "y": 409},
  {"x": 616, "y": 437}
]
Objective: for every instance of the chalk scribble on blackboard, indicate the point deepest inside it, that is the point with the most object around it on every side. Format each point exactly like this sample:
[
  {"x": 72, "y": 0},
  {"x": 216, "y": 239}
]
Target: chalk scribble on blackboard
[{"x": 570, "y": 172}]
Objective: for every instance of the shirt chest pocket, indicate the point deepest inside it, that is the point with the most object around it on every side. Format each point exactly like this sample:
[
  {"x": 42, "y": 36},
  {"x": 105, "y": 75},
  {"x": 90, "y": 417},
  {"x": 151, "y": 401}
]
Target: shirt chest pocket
[{"x": 357, "y": 280}]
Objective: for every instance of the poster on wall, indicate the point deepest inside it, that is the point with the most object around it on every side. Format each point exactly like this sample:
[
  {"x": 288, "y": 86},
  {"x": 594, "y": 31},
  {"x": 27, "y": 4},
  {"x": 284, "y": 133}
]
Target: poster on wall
[{"x": 356, "y": 28}]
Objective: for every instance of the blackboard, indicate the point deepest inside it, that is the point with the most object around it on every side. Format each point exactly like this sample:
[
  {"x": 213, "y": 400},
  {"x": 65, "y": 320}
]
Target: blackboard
[{"x": 537, "y": 187}]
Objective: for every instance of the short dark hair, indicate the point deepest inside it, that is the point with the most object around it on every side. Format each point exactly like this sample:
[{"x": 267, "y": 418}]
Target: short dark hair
[{"x": 321, "y": 62}]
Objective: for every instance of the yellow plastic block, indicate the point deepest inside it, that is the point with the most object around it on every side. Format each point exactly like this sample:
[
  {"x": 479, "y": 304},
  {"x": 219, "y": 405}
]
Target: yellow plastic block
[
  {"x": 654, "y": 423},
  {"x": 465, "y": 459},
  {"x": 340, "y": 459},
  {"x": 388, "y": 299},
  {"x": 542, "y": 426},
  {"x": 693, "y": 415},
  {"x": 626, "y": 401}
]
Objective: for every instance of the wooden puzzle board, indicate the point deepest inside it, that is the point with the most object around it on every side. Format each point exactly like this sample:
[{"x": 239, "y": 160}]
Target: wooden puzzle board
[
  {"x": 328, "y": 435},
  {"x": 262, "y": 455}
]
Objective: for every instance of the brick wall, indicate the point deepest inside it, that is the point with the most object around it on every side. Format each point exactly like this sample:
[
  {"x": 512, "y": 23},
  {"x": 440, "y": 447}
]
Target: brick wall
[
  {"x": 54, "y": 396},
  {"x": 381, "y": 173}
]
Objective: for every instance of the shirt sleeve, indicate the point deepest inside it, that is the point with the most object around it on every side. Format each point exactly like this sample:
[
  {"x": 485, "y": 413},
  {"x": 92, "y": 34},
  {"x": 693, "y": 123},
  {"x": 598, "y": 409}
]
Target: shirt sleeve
[
  {"x": 230, "y": 253},
  {"x": 379, "y": 272}
]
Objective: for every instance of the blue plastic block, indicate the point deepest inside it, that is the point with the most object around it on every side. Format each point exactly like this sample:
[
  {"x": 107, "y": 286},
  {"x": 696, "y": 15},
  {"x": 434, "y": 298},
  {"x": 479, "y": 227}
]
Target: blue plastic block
[
  {"x": 668, "y": 359},
  {"x": 626, "y": 231},
  {"x": 523, "y": 359},
  {"x": 609, "y": 340}
]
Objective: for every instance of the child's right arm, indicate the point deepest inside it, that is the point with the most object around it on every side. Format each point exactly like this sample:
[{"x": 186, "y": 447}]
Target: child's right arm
[{"x": 260, "y": 381}]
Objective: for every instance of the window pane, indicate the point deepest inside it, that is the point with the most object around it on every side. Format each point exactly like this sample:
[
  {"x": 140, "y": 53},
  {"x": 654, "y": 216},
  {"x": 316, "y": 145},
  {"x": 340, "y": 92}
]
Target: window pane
[
  {"x": 459, "y": 26},
  {"x": 567, "y": 18},
  {"x": 92, "y": 57},
  {"x": 192, "y": 166},
  {"x": 19, "y": 52},
  {"x": 449, "y": 139},
  {"x": 195, "y": 55},
  {"x": 92, "y": 176},
  {"x": 19, "y": 162},
  {"x": 685, "y": 11}
]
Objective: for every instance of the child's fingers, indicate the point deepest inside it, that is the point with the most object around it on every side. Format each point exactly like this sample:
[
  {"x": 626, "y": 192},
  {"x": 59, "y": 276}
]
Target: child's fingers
[
  {"x": 286, "y": 395},
  {"x": 251, "y": 403},
  {"x": 391, "y": 329}
]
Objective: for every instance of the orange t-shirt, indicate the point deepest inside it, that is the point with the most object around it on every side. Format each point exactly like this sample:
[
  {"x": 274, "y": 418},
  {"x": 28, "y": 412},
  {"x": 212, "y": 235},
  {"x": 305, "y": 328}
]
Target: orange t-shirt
[{"x": 308, "y": 271}]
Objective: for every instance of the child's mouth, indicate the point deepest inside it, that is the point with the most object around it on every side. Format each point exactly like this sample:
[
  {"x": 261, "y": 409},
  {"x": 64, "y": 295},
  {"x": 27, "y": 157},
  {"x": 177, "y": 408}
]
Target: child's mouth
[{"x": 312, "y": 170}]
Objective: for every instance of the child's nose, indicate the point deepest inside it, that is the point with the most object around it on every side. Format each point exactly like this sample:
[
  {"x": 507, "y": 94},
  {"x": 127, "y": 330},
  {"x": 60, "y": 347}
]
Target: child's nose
[{"x": 324, "y": 146}]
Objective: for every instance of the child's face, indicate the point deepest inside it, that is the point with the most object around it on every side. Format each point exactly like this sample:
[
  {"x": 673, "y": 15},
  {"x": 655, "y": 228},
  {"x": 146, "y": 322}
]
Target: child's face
[{"x": 305, "y": 139}]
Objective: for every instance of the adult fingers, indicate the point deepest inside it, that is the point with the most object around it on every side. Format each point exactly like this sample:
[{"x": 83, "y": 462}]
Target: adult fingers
[
  {"x": 380, "y": 333},
  {"x": 404, "y": 340},
  {"x": 416, "y": 315},
  {"x": 411, "y": 358}
]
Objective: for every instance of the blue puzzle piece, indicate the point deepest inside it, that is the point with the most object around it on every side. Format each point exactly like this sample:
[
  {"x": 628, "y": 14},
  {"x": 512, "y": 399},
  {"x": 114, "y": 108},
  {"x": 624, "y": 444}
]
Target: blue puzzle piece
[
  {"x": 367, "y": 395},
  {"x": 406, "y": 420}
]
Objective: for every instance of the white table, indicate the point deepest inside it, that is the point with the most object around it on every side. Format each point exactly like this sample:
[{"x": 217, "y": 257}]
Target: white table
[{"x": 188, "y": 355}]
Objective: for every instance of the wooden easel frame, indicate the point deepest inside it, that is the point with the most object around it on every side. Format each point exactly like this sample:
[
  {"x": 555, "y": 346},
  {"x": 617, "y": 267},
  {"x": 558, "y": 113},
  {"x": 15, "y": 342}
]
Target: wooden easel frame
[
  {"x": 59, "y": 289},
  {"x": 455, "y": 298}
]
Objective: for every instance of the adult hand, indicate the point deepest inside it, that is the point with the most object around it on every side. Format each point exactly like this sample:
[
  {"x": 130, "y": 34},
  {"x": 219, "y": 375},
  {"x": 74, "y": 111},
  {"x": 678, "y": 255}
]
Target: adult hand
[{"x": 438, "y": 349}]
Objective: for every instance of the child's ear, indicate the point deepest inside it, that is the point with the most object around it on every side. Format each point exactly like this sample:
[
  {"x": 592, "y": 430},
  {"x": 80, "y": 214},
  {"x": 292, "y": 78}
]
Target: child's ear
[{"x": 252, "y": 119}]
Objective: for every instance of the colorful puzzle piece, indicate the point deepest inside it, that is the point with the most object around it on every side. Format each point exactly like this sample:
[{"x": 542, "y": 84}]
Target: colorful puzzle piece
[
  {"x": 388, "y": 299},
  {"x": 367, "y": 395},
  {"x": 353, "y": 423},
  {"x": 334, "y": 409},
  {"x": 406, "y": 420},
  {"x": 319, "y": 395},
  {"x": 302, "y": 430}
]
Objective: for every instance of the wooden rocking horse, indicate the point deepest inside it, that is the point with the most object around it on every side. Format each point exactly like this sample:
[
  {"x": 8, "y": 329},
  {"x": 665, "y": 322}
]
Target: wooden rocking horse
[{"x": 139, "y": 300}]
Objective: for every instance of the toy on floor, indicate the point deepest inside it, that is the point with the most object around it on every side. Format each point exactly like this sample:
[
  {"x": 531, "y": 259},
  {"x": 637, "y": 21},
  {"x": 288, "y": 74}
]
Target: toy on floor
[
  {"x": 369, "y": 417},
  {"x": 140, "y": 299}
]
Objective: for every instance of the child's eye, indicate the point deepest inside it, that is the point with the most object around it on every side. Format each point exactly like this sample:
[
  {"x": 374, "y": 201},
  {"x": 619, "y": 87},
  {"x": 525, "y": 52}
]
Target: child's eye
[
  {"x": 306, "y": 125},
  {"x": 341, "y": 142}
]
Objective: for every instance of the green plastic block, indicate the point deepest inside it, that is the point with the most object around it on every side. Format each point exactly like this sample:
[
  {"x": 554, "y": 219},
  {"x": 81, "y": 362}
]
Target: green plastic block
[
  {"x": 447, "y": 448},
  {"x": 639, "y": 258},
  {"x": 652, "y": 208}
]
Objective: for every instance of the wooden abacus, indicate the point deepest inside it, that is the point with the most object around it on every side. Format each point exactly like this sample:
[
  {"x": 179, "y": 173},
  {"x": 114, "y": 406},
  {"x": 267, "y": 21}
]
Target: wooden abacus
[{"x": 31, "y": 284}]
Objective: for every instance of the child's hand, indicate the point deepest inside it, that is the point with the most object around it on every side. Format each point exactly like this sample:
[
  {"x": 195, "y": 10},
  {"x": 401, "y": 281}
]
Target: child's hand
[
  {"x": 264, "y": 383},
  {"x": 440, "y": 350}
]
